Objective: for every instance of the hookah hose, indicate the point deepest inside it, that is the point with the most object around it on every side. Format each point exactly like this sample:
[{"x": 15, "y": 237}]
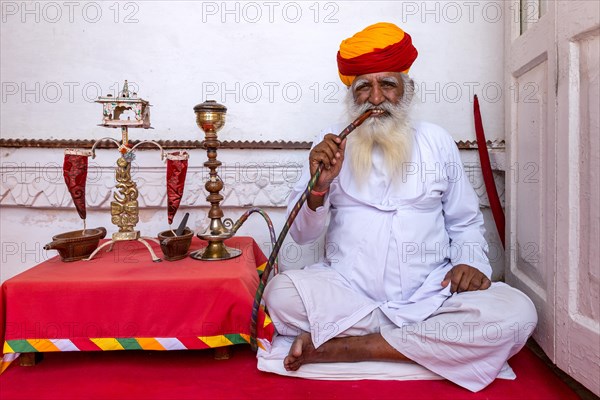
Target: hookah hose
[
  {"x": 286, "y": 227},
  {"x": 243, "y": 219}
]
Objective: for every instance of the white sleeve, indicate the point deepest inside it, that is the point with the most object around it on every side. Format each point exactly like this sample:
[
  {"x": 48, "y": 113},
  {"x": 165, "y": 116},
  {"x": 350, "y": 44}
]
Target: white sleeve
[
  {"x": 309, "y": 225},
  {"x": 462, "y": 216}
]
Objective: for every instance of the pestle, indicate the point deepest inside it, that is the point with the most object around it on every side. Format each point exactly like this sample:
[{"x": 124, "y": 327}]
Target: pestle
[{"x": 182, "y": 225}]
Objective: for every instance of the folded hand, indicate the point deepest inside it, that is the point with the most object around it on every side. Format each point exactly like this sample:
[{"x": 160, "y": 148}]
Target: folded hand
[{"x": 464, "y": 278}]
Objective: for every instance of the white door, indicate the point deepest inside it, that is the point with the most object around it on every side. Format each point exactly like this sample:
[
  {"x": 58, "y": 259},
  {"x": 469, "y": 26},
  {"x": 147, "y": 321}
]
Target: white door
[
  {"x": 554, "y": 179},
  {"x": 578, "y": 194},
  {"x": 530, "y": 180}
]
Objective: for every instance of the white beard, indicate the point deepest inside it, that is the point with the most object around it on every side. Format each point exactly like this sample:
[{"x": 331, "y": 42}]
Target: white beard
[{"x": 392, "y": 134}]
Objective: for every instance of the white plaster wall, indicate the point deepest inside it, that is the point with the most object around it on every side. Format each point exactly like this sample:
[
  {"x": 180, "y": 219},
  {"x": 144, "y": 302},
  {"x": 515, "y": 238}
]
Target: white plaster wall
[
  {"x": 271, "y": 63},
  {"x": 35, "y": 204},
  {"x": 24, "y": 234}
]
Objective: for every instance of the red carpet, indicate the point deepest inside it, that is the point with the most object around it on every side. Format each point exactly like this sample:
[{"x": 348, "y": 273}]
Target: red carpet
[{"x": 196, "y": 375}]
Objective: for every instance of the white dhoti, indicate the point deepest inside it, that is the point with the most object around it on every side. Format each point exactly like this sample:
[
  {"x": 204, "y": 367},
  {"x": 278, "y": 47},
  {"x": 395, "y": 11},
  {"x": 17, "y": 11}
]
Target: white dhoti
[
  {"x": 467, "y": 340},
  {"x": 389, "y": 243}
]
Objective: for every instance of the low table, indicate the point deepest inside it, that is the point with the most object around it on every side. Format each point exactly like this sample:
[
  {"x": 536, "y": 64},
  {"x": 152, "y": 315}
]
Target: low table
[{"x": 121, "y": 300}]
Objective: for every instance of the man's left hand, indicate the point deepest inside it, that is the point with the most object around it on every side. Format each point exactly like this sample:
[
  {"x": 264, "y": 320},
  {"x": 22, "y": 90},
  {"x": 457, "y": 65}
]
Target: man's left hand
[{"x": 464, "y": 278}]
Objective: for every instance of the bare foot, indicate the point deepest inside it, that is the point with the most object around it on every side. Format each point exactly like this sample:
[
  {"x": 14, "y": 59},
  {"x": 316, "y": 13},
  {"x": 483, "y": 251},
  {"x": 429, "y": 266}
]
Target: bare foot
[
  {"x": 300, "y": 352},
  {"x": 372, "y": 347}
]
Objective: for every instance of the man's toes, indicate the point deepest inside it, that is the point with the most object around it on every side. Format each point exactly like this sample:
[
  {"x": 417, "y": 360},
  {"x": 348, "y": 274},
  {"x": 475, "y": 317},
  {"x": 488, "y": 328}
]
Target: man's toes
[{"x": 291, "y": 363}]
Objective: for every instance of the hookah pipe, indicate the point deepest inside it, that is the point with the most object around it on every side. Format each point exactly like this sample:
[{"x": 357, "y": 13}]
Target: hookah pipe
[{"x": 286, "y": 227}]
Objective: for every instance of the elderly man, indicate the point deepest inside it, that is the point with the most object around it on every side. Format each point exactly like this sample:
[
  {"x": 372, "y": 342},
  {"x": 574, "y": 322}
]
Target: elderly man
[{"x": 405, "y": 274}]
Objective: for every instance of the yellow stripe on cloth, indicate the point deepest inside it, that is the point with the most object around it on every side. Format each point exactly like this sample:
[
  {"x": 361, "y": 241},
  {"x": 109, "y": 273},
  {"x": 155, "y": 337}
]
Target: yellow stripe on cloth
[
  {"x": 216, "y": 341},
  {"x": 107, "y": 343},
  {"x": 149, "y": 344},
  {"x": 267, "y": 320},
  {"x": 7, "y": 349},
  {"x": 261, "y": 267},
  {"x": 43, "y": 345}
]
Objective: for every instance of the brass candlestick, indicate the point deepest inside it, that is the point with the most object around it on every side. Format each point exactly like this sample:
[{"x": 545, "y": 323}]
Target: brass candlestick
[
  {"x": 210, "y": 117},
  {"x": 124, "y": 208}
]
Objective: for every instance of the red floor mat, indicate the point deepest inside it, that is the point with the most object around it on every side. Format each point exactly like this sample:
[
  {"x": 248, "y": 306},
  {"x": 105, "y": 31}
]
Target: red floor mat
[{"x": 196, "y": 375}]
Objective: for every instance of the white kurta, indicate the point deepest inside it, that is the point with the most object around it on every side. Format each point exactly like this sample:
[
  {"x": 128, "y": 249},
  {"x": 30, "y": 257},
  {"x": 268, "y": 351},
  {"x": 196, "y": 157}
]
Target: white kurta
[
  {"x": 388, "y": 249},
  {"x": 393, "y": 243}
]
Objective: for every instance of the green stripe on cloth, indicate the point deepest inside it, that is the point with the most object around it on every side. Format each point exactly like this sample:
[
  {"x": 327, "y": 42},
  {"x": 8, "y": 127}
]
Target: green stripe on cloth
[
  {"x": 21, "y": 346},
  {"x": 235, "y": 338},
  {"x": 129, "y": 343}
]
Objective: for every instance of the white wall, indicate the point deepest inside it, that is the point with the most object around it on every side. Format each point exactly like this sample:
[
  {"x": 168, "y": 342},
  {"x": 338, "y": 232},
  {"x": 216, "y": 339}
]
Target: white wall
[
  {"x": 35, "y": 204},
  {"x": 180, "y": 53},
  {"x": 277, "y": 76}
]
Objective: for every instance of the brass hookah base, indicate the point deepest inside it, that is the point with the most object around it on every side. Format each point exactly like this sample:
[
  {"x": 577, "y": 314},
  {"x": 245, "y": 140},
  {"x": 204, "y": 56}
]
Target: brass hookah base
[
  {"x": 216, "y": 250},
  {"x": 210, "y": 117}
]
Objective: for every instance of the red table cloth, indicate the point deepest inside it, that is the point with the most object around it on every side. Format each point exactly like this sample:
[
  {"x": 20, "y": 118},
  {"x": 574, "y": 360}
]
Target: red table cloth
[{"x": 121, "y": 300}]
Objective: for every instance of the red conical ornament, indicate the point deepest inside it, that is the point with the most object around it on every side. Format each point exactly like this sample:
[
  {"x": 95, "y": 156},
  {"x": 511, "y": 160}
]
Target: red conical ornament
[
  {"x": 75, "y": 168},
  {"x": 177, "y": 164}
]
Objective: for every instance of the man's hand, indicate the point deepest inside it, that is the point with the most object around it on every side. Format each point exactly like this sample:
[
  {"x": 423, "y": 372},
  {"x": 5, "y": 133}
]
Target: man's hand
[
  {"x": 464, "y": 278},
  {"x": 330, "y": 152}
]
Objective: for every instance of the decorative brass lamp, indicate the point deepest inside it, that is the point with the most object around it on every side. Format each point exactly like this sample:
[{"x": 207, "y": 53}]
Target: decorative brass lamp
[
  {"x": 210, "y": 117},
  {"x": 124, "y": 209}
]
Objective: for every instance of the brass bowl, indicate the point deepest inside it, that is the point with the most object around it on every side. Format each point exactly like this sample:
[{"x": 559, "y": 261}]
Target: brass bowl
[
  {"x": 76, "y": 245},
  {"x": 210, "y": 116},
  {"x": 175, "y": 247}
]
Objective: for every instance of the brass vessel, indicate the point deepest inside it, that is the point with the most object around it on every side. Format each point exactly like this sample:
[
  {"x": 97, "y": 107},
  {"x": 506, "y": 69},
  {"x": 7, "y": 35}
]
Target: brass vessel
[
  {"x": 76, "y": 245},
  {"x": 210, "y": 117}
]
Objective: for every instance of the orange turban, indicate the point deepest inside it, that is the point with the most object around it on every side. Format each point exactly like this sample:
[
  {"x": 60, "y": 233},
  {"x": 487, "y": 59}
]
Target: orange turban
[{"x": 382, "y": 47}]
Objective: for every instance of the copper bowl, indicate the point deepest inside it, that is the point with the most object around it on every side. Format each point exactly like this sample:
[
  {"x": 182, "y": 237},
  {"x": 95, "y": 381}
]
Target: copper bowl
[
  {"x": 175, "y": 247},
  {"x": 76, "y": 245}
]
